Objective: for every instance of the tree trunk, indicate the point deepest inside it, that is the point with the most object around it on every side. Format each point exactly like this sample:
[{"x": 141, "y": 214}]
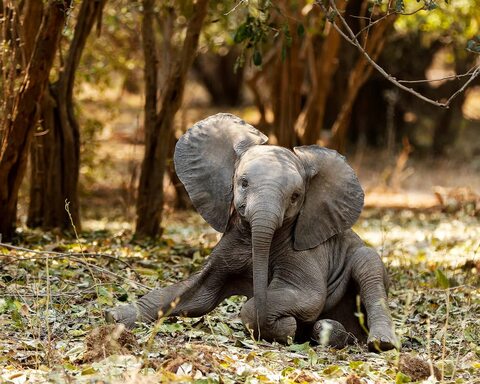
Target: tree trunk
[
  {"x": 255, "y": 83},
  {"x": 358, "y": 75},
  {"x": 17, "y": 131},
  {"x": 210, "y": 67},
  {"x": 182, "y": 200},
  {"x": 55, "y": 152},
  {"x": 159, "y": 126},
  {"x": 287, "y": 85},
  {"x": 12, "y": 59},
  {"x": 321, "y": 75}
]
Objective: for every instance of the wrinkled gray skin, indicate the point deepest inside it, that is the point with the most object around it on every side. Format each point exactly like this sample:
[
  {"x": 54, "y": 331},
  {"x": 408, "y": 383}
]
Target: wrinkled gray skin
[{"x": 287, "y": 242}]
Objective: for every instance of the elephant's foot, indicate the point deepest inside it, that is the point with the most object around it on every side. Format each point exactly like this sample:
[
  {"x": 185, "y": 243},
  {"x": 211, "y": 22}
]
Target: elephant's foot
[
  {"x": 125, "y": 314},
  {"x": 382, "y": 338},
  {"x": 332, "y": 333},
  {"x": 282, "y": 329}
]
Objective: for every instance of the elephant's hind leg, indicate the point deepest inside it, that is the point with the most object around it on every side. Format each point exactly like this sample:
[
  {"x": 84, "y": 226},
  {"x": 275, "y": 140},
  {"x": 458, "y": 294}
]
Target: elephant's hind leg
[
  {"x": 342, "y": 317},
  {"x": 369, "y": 273},
  {"x": 331, "y": 332}
]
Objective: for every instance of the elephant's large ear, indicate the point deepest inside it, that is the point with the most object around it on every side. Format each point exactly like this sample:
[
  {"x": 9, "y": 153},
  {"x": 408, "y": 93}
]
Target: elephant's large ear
[
  {"x": 205, "y": 159},
  {"x": 334, "y": 197}
]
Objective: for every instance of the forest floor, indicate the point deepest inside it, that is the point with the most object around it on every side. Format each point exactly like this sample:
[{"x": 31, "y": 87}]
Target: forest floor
[{"x": 56, "y": 291}]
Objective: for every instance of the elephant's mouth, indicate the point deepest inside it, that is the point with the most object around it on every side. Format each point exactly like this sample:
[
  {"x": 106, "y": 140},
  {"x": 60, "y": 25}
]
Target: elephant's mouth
[{"x": 241, "y": 210}]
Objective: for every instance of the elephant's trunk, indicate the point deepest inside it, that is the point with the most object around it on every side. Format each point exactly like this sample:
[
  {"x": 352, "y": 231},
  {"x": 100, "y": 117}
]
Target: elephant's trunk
[{"x": 263, "y": 227}]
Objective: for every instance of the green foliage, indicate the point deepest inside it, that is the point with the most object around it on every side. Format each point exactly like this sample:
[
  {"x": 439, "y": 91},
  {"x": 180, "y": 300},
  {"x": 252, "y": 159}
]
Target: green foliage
[
  {"x": 116, "y": 51},
  {"x": 458, "y": 21},
  {"x": 251, "y": 34},
  {"x": 261, "y": 28}
]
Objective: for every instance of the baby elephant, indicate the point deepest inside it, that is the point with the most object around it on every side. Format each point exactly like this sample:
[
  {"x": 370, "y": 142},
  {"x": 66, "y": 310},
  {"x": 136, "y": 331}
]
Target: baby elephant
[{"x": 287, "y": 243}]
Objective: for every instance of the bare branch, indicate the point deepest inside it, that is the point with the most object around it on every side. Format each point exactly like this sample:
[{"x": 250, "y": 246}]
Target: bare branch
[
  {"x": 388, "y": 14},
  {"x": 452, "y": 77},
  {"x": 474, "y": 75},
  {"x": 352, "y": 39}
]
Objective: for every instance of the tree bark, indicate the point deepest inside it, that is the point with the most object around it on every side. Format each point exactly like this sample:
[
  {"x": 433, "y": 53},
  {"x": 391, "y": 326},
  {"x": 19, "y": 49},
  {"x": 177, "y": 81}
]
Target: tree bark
[
  {"x": 19, "y": 128},
  {"x": 55, "y": 152},
  {"x": 358, "y": 76},
  {"x": 287, "y": 85},
  {"x": 12, "y": 59},
  {"x": 159, "y": 126},
  {"x": 321, "y": 76}
]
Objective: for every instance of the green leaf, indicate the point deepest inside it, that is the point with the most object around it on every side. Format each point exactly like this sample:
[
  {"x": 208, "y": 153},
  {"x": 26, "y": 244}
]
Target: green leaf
[
  {"x": 242, "y": 33},
  {"x": 305, "y": 347},
  {"x": 300, "y": 30},
  {"x": 239, "y": 62},
  {"x": 442, "y": 280},
  {"x": 401, "y": 378},
  {"x": 88, "y": 371},
  {"x": 257, "y": 58},
  {"x": 355, "y": 364},
  {"x": 331, "y": 369}
]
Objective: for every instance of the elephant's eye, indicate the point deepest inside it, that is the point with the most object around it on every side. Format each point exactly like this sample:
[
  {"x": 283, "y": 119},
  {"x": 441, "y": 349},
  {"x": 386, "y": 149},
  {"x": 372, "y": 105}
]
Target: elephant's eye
[
  {"x": 244, "y": 183},
  {"x": 295, "y": 197}
]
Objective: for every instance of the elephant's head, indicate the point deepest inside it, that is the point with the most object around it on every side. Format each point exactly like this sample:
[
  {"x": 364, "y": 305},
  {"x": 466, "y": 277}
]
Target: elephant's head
[{"x": 221, "y": 160}]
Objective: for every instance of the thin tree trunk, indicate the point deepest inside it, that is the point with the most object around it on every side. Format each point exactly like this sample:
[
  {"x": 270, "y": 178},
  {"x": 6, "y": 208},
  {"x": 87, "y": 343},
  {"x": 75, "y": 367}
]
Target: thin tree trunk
[
  {"x": 159, "y": 126},
  {"x": 358, "y": 75},
  {"x": 322, "y": 74},
  {"x": 253, "y": 83},
  {"x": 19, "y": 129},
  {"x": 182, "y": 200},
  {"x": 287, "y": 85},
  {"x": 56, "y": 151},
  {"x": 12, "y": 60},
  {"x": 31, "y": 24}
]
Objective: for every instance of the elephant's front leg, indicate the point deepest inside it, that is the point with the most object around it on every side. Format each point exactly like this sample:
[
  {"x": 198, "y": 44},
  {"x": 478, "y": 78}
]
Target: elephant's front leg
[
  {"x": 369, "y": 273},
  {"x": 193, "y": 297},
  {"x": 227, "y": 272}
]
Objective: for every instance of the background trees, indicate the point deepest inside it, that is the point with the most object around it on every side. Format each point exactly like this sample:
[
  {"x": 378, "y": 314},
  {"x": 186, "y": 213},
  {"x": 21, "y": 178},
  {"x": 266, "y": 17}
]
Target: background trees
[
  {"x": 162, "y": 101},
  {"x": 282, "y": 64},
  {"x": 55, "y": 153},
  {"x": 25, "y": 69}
]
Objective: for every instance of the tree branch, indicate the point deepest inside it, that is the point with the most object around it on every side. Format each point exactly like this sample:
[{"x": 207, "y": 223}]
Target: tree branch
[{"x": 352, "y": 39}]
